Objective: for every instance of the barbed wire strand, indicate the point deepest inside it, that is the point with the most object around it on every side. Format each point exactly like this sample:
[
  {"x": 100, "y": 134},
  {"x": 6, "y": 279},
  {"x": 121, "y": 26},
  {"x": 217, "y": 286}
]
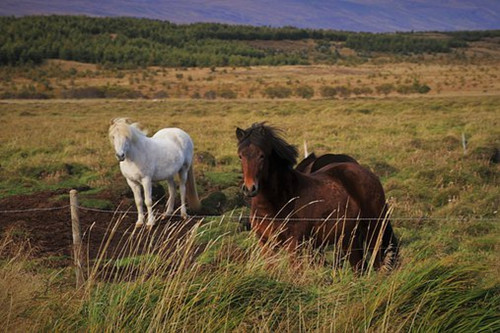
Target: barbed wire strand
[
  {"x": 34, "y": 209},
  {"x": 244, "y": 217}
]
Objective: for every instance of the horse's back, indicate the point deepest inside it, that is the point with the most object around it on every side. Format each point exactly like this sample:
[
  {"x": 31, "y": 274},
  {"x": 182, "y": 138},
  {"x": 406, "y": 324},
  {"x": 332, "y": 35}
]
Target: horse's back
[
  {"x": 175, "y": 136},
  {"x": 305, "y": 165},
  {"x": 362, "y": 184},
  {"x": 313, "y": 163}
]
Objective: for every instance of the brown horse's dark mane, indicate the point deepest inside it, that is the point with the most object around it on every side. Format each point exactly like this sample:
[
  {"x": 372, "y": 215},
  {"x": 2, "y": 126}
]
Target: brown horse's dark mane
[{"x": 269, "y": 140}]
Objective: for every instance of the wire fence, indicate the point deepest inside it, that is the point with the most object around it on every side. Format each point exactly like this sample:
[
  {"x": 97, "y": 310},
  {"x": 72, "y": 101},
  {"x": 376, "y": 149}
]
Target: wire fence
[{"x": 239, "y": 217}]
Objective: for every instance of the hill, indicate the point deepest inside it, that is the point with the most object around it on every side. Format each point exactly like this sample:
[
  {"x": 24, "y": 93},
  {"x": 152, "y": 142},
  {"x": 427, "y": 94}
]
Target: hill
[
  {"x": 128, "y": 42},
  {"x": 353, "y": 15}
]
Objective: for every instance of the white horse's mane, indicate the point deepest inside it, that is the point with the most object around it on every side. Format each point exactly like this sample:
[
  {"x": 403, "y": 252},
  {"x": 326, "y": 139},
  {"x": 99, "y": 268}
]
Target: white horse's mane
[{"x": 124, "y": 127}]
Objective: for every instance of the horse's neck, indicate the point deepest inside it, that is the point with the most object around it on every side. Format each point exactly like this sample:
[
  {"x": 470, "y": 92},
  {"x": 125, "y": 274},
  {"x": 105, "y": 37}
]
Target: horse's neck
[
  {"x": 276, "y": 192},
  {"x": 138, "y": 149}
]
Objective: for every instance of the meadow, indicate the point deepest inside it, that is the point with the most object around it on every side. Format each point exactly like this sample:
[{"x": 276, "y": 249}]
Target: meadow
[
  {"x": 445, "y": 203},
  {"x": 426, "y": 123}
]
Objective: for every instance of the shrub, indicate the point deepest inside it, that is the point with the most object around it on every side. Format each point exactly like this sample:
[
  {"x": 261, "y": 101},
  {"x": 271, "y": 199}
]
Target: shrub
[
  {"x": 278, "y": 92},
  {"x": 210, "y": 94},
  {"x": 343, "y": 91},
  {"x": 160, "y": 94},
  {"x": 362, "y": 91},
  {"x": 327, "y": 91},
  {"x": 227, "y": 93},
  {"x": 415, "y": 88},
  {"x": 121, "y": 92},
  {"x": 304, "y": 91},
  {"x": 101, "y": 92},
  {"x": 85, "y": 92},
  {"x": 385, "y": 88}
]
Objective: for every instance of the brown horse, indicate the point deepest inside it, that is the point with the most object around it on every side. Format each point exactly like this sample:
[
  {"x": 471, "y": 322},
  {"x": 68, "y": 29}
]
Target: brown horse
[{"x": 341, "y": 203}]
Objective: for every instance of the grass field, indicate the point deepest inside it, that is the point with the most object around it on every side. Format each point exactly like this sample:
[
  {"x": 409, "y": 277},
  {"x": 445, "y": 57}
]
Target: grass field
[{"x": 445, "y": 200}]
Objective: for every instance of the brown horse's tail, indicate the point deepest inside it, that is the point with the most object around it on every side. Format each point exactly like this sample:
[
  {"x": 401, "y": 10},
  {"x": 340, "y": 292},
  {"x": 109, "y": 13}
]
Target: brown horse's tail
[
  {"x": 191, "y": 194},
  {"x": 389, "y": 248}
]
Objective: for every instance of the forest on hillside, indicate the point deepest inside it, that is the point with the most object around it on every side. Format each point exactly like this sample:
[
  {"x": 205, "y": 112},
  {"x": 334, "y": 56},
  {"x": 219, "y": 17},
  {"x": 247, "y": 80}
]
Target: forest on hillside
[{"x": 132, "y": 42}]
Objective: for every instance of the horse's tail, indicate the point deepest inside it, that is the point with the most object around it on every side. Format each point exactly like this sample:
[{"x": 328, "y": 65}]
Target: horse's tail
[
  {"x": 390, "y": 249},
  {"x": 191, "y": 194}
]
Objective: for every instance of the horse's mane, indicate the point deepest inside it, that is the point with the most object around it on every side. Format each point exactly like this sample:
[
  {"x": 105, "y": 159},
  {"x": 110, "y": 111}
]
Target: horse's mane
[
  {"x": 269, "y": 140},
  {"x": 123, "y": 126}
]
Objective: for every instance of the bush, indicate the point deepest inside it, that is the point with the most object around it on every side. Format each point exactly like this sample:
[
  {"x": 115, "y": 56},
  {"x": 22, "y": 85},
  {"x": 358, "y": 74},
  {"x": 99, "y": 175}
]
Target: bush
[
  {"x": 327, "y": 91},
  {"x": 227, "y": 93},
  {"x": 121, "y": 92},
  {"x": 415, "y": 88},
  {"x": 85, "y": 92},
  {"x": 362, "y": 91},
  {"x": 210, "y": 95},
  {"x": 343, "y": 91},
  {"x": 304, "y": 91},
  {"x": 160, "y": 94},
  {"x": 102, "y": 92},
  {"x": 385, "y": 88},
  {"x": 278, "y": 92}
]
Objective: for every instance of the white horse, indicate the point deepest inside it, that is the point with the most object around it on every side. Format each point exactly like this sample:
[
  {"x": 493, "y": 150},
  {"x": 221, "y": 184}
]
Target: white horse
[{"x": 144, "y": 160}]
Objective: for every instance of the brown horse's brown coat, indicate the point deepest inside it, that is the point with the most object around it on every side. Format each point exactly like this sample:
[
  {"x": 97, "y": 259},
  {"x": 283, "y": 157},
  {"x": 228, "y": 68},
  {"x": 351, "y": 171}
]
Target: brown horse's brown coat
[{"x": 341, "y": 203}]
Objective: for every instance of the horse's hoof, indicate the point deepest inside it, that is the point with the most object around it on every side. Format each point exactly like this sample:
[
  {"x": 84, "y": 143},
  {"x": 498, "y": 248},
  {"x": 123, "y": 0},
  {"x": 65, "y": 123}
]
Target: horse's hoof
[
  {"x": 149, "y": 226},
  {"x": 139, "y": 224}
]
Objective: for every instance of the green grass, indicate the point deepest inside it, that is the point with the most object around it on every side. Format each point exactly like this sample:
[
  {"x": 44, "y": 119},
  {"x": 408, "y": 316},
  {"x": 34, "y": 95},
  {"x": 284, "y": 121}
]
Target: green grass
[
  {"x": 217, "y": 279},
  {"x": 414, "y": 144}
]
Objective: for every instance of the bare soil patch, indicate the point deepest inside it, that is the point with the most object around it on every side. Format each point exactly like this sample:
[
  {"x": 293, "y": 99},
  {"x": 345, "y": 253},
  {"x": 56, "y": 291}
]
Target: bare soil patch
[{"x": 43, "y": 220}]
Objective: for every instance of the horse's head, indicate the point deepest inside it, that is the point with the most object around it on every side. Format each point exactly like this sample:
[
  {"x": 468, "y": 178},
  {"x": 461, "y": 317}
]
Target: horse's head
[
  {"x": 261, "y": 149},
  {"x": 253, "y": 160},
  {"x": 120, "y": 136}
]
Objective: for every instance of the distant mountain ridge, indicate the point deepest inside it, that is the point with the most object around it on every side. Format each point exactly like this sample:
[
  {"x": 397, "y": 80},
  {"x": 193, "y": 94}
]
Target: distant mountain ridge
[{"x": 349, "y": 15}]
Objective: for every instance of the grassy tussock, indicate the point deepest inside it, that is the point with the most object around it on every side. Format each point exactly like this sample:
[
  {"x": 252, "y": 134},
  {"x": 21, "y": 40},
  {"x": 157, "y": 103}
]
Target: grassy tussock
[{"x": 225, "y": 283}]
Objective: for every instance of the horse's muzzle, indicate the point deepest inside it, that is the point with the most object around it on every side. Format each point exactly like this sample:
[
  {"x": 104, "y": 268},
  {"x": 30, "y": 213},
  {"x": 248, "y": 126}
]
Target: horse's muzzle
[
  {"x": 250, "y": 192},
  {"x": 120, "y": 157}
]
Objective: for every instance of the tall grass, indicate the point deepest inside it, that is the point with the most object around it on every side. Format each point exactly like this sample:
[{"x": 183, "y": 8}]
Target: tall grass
[{"x": 224, "y": 282}]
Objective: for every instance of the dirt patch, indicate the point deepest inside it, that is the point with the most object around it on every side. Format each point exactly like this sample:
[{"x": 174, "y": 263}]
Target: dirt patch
[{"x": 44, "y": 220}]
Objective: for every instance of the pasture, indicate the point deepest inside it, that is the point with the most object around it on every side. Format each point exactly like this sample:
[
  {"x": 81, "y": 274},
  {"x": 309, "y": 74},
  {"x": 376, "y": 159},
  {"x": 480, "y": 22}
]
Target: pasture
[{"x": 445, "y": 200}]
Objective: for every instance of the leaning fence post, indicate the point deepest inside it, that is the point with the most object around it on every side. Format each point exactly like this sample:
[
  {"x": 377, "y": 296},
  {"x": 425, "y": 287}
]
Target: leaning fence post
[{"x": 77, "y": 238}]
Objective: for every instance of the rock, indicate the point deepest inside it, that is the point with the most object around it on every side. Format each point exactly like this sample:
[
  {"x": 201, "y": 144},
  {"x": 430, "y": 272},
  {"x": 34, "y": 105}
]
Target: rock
[{"x": 205, "y": 158}]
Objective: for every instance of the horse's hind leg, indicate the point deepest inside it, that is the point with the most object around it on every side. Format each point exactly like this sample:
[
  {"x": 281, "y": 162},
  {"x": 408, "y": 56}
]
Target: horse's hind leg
[
  {"x": 171, "y": 197},
  {"x": 355, "y": 254},
  {"x": 136, "y": 189},
  {"x": 182, "y": 188}
]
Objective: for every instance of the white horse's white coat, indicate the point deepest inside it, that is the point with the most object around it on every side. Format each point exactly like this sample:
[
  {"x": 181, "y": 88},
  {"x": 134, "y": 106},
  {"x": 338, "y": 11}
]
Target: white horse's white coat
[{"x": 144, "y": 160}]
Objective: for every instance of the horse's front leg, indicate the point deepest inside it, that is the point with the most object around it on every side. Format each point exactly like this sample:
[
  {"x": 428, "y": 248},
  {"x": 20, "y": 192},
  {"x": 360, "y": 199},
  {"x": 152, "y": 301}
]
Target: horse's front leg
[
  {"x": 136, "y": 189},
  {"x": 148, "y": 200}
]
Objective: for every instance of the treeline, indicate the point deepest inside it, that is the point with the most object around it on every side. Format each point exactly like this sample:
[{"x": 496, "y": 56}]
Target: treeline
[
  {"x": 401, "y": 43},
  {"x": 131, "y": 42}
]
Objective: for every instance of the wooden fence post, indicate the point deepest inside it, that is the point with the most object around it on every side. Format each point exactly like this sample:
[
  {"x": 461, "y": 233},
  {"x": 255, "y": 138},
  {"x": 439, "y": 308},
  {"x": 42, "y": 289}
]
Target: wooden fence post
[
  {"x": 464, "y": 143},
  {"x": 77, "y": 238}
]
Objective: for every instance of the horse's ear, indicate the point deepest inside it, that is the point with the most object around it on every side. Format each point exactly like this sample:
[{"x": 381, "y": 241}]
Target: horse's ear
[
  {"x": 240, "y": 134},
  {"x": 262, "y": 129}
]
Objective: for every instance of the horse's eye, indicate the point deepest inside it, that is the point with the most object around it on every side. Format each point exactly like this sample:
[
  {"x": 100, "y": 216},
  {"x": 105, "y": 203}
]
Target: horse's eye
[
  {"x": 239, "y": 156},
  {"x": 261, "y": 156}
]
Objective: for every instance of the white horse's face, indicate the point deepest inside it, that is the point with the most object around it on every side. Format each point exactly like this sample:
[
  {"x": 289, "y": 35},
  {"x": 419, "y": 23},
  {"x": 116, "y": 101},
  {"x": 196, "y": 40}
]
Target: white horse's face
[{"x": 121, "y": 144}]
